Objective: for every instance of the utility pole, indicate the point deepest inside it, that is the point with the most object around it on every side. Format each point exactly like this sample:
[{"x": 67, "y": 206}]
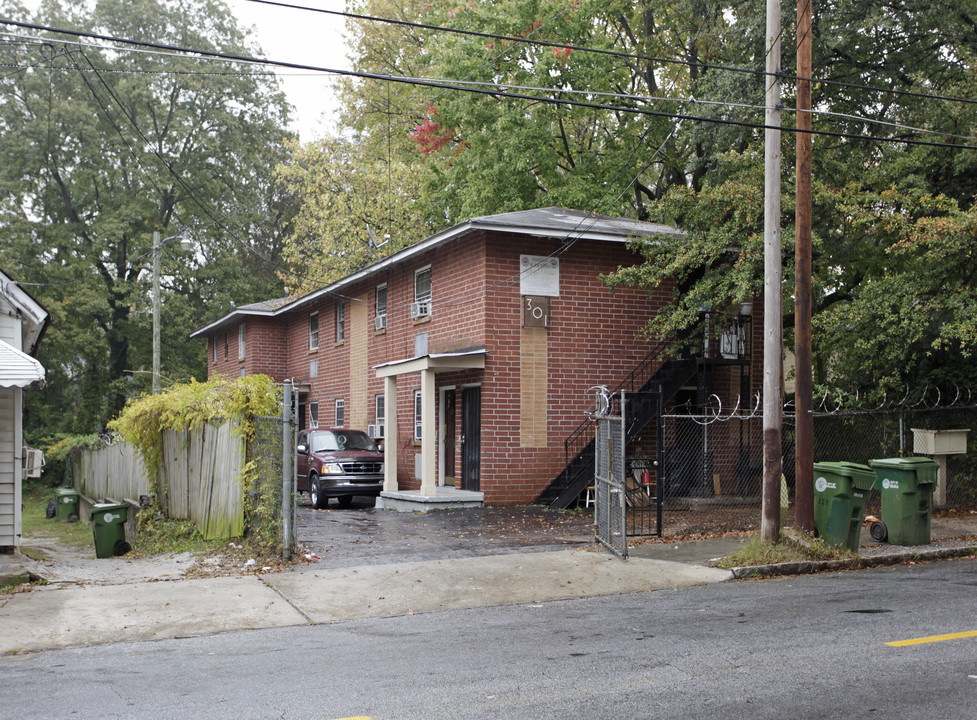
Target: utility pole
[
  {"x": 773, "y": 338},
  {"x": 186, "y": 244},
  {"x": 156, "y": 245},
  {"x": 803, "y": 364},
  {"x": 288, "y": 474}
]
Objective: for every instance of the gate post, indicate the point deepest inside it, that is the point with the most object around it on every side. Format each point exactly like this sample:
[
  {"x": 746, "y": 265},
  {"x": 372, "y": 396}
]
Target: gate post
[{"x": 288, "y": 476}]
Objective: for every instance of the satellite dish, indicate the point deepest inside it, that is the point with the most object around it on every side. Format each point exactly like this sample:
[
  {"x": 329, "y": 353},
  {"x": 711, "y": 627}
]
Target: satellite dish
[{"x": 373, "y": 241}]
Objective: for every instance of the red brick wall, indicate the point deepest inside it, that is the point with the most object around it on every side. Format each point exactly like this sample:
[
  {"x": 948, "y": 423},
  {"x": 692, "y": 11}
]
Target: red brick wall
[
  {"x": 457, "y": 322},
  {"x": 265, "y": 349},
  {"x": 476, "y": 301},
  {"x": 592, "y": 341}
]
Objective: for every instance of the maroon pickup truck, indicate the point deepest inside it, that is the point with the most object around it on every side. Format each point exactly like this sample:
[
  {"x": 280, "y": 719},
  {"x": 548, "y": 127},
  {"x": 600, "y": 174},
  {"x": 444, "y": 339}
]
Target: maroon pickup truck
[{"x": 338, "y": 463}]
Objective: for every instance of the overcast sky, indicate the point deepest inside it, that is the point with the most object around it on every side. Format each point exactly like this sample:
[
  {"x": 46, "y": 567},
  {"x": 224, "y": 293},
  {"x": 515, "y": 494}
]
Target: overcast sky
[
  {"x": 304, "y": 37},
  {"x": 297, "y": 36}
]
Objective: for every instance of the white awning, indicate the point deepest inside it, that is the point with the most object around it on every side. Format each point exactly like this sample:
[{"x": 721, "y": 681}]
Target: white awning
[{"x": 18, "y": 369}]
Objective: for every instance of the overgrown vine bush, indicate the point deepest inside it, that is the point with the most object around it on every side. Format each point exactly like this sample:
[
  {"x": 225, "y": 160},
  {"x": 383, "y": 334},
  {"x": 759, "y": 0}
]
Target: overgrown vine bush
[{"x": 187, "y": 407}]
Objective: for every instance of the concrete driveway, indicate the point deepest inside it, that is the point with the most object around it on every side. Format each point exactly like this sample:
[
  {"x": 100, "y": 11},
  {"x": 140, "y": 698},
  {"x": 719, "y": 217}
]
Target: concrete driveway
[{"x": 362, "y": 535}]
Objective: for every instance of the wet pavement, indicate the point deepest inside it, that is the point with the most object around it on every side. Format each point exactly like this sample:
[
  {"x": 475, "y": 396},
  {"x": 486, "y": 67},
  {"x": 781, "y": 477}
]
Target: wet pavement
[{"x": 363, "y": 535}]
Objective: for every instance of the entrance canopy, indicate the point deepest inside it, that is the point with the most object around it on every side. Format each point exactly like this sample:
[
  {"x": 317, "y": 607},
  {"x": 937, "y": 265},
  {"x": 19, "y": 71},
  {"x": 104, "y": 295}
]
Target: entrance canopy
[
  {"x": 427, "y": 366},
  {"x": 470, "y": 359}
]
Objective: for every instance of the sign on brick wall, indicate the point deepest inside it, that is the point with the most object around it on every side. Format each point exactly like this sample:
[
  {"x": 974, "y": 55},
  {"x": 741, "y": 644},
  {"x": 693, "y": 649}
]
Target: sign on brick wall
[
  {"x": 535, "y": 311},
  {"x": 539, "y": 275}
]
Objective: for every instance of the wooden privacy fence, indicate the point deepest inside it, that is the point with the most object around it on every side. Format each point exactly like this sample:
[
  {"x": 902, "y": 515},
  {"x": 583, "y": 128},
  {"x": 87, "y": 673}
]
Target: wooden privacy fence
[
  {"x": 114, "y": 471},
  {"x": 199, "y": 477}
]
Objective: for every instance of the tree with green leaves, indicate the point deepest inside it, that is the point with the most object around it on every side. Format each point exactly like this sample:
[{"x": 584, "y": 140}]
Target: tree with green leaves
[
  {"x": 666, "y": 127},
  {"x": 461, "y": 154},
  {"x": 356, "y": 207},
  {"x": 892, "y": 221},
  {"x": 107, "y": 142}
]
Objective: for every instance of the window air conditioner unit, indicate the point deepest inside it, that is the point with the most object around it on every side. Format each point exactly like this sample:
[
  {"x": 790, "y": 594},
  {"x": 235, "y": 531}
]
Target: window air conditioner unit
[
  {"x": 380, "y": 322},
  {"x": 420, "y": 310},
  {"x": 33, "y": 462},
  {"x": 375, "y": 431}
]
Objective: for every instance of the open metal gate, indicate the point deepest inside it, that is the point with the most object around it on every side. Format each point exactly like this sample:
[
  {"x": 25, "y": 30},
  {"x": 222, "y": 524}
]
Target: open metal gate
[
  {"x": 627, "y": 468},
  {"x": 610, "y": 509}
]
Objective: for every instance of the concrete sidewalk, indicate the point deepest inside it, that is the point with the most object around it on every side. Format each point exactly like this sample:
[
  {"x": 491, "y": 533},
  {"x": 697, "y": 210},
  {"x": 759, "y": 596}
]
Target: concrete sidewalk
[
  {"x": 78, "y": 610},
  {"x": 63, "y": 616}
]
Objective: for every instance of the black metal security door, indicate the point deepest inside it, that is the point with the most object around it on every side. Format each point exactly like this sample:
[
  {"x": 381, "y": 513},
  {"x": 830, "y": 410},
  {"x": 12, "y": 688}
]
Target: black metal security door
[
  {"x": 471, "y": 438},
  {"x": 449, "y": 434}
]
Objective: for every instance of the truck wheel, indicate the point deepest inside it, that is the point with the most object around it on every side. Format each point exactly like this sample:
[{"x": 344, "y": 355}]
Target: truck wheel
[{"x": 318, "y": 502}]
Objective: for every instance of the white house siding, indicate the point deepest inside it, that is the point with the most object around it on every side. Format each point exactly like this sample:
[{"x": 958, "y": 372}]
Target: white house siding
[
  {"x": 11, "y": 444},
  {"x": 10, "y": 470},
  {"x": 10, "y": 331}
]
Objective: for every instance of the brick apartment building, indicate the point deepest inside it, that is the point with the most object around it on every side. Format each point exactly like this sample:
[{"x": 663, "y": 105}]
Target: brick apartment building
[{"x": 470, "y": 354}]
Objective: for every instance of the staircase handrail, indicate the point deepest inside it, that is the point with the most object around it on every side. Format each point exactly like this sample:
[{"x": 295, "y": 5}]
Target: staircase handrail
[{"x": 627, "y": 384}]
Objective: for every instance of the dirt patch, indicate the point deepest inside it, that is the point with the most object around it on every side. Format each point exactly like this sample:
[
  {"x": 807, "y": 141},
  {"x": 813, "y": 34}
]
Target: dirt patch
[{"x": 60, "y": 563}]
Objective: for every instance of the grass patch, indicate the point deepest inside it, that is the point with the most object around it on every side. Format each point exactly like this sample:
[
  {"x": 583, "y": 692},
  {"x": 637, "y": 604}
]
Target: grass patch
[
  {"x": 156, "y": 535},
  {"x": 794, "y": 546},
  {"x": 23, "y": 587},
  {"x": 36, "y": 524},
  {"x": 161, "y": 536}
]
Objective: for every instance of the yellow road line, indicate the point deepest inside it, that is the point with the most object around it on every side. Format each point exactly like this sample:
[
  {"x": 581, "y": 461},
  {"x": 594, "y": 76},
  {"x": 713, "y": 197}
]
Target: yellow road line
[{"x": 933, "y": 638}]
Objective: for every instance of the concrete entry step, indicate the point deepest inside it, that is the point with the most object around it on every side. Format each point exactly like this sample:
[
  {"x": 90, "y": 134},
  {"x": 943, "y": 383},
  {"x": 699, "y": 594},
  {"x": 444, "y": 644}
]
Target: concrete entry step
[{"x": 446, "y": 498}]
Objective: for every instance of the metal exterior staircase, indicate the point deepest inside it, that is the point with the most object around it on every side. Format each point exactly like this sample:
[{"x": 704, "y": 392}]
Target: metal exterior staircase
[{"x": 578, "y": 474}]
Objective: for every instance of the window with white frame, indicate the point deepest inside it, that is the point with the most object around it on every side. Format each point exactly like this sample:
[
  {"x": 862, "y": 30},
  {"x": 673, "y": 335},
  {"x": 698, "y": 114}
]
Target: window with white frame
[
  {"x": 340, "y": 412},
  {"x": 381, "y": 317},
  {"x": 417, "y": 414},
  {"x": 313, "y": 415},
  {"x": 314, "y": 331},
  {"x": 240, "y": 341},
  {"x": 340, "y": 321},
  {"x": 215, "y": 349},
  {"x": 381, "y": 416},
  {"x": 422, "y": 285},
  {"x": 314, "y": 367}
]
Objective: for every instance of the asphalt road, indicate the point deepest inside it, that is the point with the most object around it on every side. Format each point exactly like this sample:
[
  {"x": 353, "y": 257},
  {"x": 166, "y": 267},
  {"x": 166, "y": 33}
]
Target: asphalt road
[{"x": 803, "y": 647}]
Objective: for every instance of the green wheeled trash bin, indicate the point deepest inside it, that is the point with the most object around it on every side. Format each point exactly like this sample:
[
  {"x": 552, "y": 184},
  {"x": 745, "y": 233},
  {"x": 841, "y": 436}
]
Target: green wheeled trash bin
[
  {"x": 109, "y": 526},
  {"x": 906, "y": 485},
  {"x": 66, "y": 504},
  {"x": 840, "y": 492}
]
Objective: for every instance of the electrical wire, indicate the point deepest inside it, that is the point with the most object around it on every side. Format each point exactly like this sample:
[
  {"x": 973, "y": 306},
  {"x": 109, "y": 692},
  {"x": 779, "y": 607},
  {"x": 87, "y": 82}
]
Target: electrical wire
[
  {"x": 460, "y": 84},
  {"x": 614, "y": 53},
  {"x": 497, "y": 93},
  {"x": 188, "y": 190}
]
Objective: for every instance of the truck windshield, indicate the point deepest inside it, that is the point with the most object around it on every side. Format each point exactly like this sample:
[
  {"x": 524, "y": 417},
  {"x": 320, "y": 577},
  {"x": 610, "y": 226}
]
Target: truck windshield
[{"x": 330, "y": 441}]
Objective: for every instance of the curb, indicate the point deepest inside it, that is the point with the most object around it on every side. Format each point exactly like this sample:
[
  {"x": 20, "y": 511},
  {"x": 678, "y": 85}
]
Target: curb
[{"x": 889, "y": 558}]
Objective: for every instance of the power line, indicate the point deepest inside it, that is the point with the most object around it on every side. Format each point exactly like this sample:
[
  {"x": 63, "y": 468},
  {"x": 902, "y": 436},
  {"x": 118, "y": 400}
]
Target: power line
[
  {"x": 448, "y": 85},
  {"x": 614, "y": 53},
  {"x": 460, "y": 84},
  {"x": 189, "y": 191}
]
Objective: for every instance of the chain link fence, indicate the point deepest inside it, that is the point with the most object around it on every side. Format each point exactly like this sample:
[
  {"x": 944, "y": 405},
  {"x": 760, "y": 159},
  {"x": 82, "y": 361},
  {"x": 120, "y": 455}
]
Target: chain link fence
[
  {"x": 264, "y": 497},
  {"x": 271, "y": 497},
  {"x": 713, "y": 468}
]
